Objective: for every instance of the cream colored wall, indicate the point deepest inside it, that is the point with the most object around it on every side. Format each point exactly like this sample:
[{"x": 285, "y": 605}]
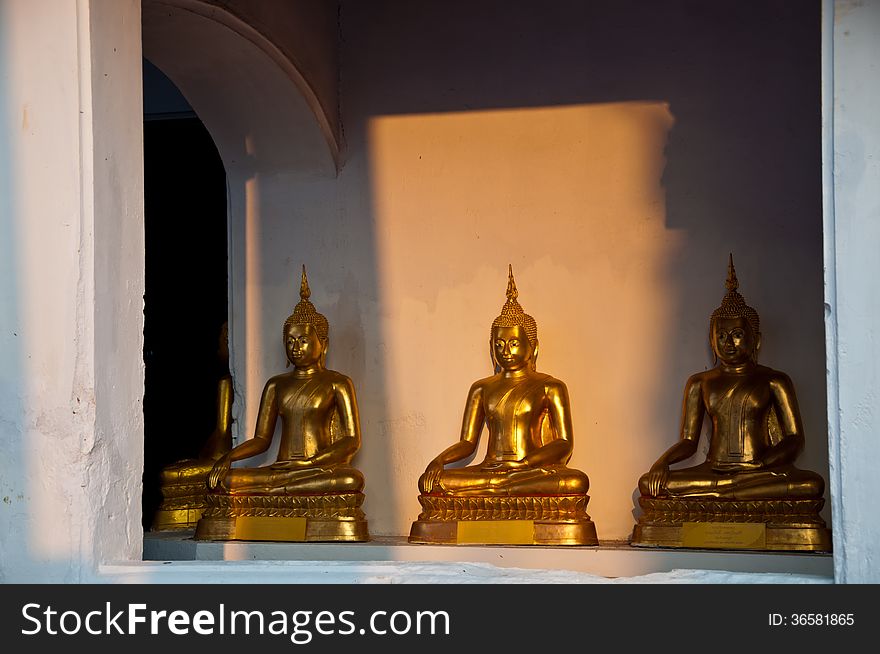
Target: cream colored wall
[{"x": 457, "y": 197}]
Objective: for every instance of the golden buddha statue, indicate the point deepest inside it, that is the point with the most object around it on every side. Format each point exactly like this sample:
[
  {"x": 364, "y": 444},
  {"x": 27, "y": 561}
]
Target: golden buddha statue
[
  {"x": 184, "y": 484},
  {"x": 754, "y": 438},
  {"x": 311, "y": 492},
  {"x": 522, "y": 492}
]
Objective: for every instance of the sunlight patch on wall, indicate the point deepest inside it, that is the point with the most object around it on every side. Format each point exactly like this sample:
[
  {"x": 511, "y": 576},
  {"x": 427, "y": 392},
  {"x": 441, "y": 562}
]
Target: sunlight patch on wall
[{"x": 573, "y": 198}]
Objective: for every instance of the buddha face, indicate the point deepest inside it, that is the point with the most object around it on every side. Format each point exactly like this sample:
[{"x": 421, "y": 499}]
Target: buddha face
[
  {"x": 511, "y": 348},
  {"x": 733, "y": 340},
  {"x": 303, "y": 345}
]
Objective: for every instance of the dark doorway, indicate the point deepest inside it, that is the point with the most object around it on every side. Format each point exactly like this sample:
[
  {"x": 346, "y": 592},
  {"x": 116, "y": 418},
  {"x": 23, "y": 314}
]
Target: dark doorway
[{"x": 186, "y": 290}]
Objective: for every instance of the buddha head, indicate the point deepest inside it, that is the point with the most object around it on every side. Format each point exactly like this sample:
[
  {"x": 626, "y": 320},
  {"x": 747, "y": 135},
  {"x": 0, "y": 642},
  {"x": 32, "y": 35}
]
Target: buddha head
[
  {"x": 734, "y": 328},
  {"x": 305, "y": 331},
  {"x": 513, "y": 341}
]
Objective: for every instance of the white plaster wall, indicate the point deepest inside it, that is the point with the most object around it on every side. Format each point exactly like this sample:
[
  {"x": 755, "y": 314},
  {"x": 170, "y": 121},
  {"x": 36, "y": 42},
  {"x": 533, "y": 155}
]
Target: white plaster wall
[
  {"x": 114, "y": 465},
  {"x": 852, "y": 232},
  {"x": 72, "y": 288}
]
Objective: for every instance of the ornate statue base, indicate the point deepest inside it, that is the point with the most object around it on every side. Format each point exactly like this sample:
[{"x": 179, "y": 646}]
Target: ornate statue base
[
  {"x": 334, "y": 517},
  {"x": 181, "y": 508},
  {"x": 536, "y": 519},
  {"x": 790, "y": 525}
]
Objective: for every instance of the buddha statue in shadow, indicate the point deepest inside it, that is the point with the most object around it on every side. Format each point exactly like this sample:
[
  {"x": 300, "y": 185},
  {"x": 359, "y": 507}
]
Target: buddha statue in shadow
[
  {"x": 311, "y": 492},
  {"x": 522, "y": 492},
  {"x": 755, "y": 435},
  {"x": 184, "y": 484}
]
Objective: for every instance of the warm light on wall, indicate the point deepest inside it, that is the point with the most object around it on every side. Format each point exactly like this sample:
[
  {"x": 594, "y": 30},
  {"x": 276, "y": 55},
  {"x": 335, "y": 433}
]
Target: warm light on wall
[{"x": 572, "y": 197}]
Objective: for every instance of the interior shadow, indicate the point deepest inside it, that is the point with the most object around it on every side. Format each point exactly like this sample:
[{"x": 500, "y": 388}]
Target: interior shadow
[{"x": 185, "y": 303}]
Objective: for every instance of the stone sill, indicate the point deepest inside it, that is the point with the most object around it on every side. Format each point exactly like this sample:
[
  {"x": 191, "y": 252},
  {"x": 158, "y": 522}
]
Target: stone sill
[{"x": 391, "y": 559}]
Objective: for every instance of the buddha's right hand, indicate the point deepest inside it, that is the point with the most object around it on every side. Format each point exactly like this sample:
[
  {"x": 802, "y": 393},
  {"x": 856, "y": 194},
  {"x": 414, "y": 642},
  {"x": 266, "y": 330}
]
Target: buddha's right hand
[
  {"x": 219, "y": 471},
  {"x": 432, "y": 474},
  {"x": 657, "y": 478}
]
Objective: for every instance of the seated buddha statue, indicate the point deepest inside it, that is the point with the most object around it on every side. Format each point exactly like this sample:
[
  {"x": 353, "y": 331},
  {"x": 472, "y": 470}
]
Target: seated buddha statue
[
  {"x": 755, "y": 435},
  {"x": 311, "y": 492},
  {"x": 183, "y": 483},
  {"x": 524, "y": 477}
]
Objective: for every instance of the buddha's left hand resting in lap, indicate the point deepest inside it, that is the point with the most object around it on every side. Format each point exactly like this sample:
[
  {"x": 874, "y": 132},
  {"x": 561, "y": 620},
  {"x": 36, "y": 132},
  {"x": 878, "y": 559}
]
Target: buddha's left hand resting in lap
[
  {"x": 528, "y": 418},
  {"x": 320, "y": 428}
]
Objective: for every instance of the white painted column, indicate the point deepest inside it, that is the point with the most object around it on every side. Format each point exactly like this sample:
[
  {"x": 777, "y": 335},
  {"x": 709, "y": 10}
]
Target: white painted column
[
  {"x": 852, "y": 282},
  {"x": 71, "y": 287}
]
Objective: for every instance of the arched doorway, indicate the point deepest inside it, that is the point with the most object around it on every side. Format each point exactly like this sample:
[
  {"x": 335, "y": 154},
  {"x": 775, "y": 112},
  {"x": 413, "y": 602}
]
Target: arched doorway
[
  {"x": 185, "y": 304},
  {"x": 249, "y": 109}
]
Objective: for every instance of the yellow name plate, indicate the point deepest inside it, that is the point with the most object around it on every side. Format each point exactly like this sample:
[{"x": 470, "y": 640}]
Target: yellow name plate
[
  {"x": 496, "y": 532},
  {"x": 724, "y": 535},
  {"x": 256, "y": 528}
]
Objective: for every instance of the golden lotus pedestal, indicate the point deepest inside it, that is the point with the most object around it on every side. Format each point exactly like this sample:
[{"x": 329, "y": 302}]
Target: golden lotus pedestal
[
  {"x": 504, "y": 520},
  {"x": 181, "y": 508},
  {"x": 786, "y": 525},
  {"x": 325, "y": 517}
]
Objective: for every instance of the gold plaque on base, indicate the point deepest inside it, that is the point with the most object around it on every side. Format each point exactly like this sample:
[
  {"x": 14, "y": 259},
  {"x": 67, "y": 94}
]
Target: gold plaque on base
[
  {"x": 724, "y": 535},
  {"x": 284, "y": 529},
  {"x": 496, "y": 532},
  {"x": 279, "y": 529},
  {"x": 449, "y": 532}
]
